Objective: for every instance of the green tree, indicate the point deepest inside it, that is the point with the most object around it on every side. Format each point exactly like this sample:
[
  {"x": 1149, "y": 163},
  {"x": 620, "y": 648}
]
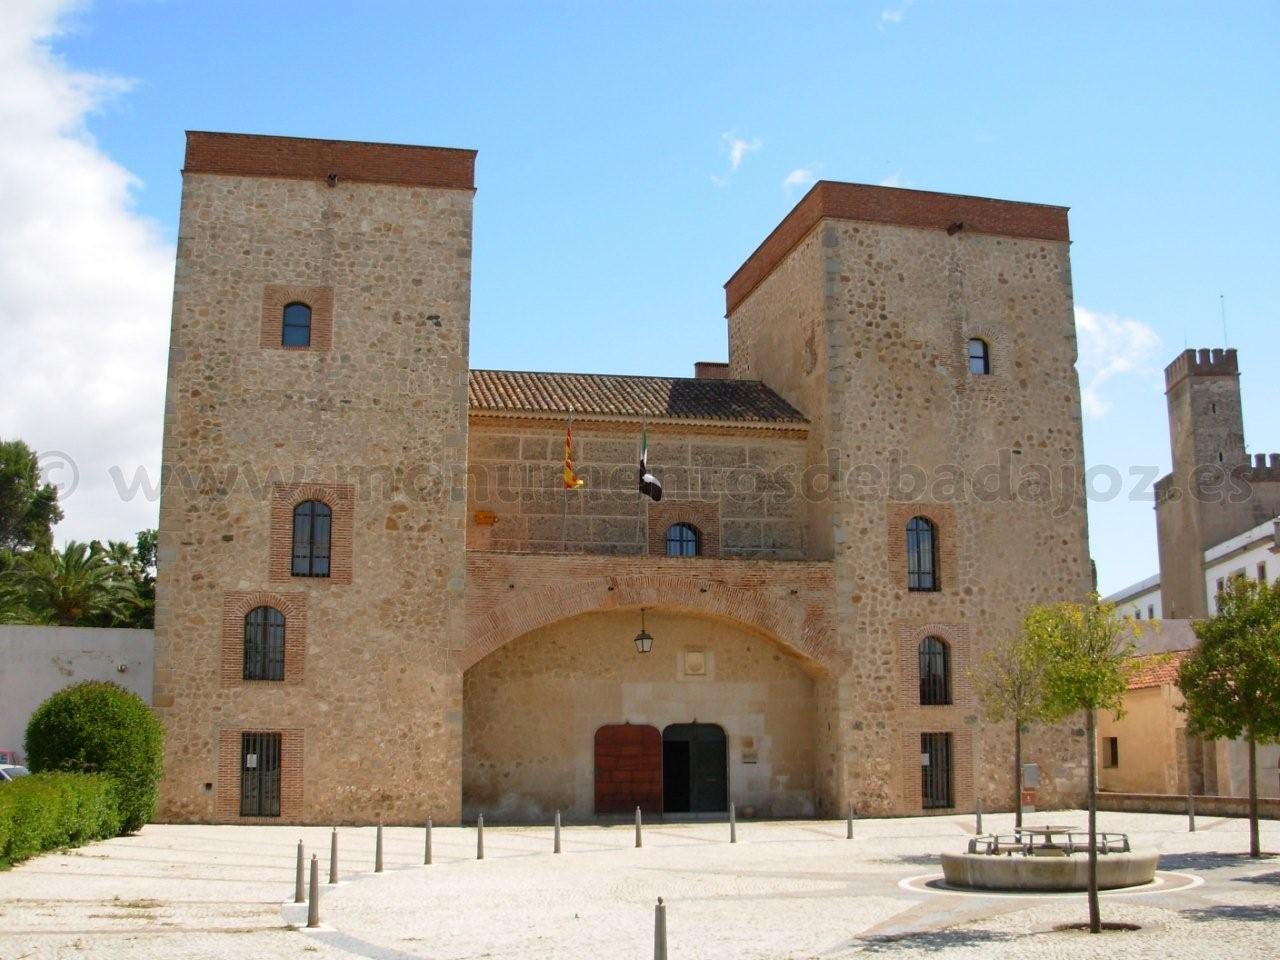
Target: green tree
[
  {"x": 1231, "y": 681},
  {"x": 1010, "y": 684},
  {"x": 77, "y": 586},
  {"x": 28, "y": 508},
  {"x": 134, "y": 563},
  {"x": 1085, "y": 652},
  {"x": 96, "y": 727}
]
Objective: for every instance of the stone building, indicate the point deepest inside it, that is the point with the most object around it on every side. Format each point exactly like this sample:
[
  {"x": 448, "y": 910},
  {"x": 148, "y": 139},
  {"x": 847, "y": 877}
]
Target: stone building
[{"x": 378, "y": 598}]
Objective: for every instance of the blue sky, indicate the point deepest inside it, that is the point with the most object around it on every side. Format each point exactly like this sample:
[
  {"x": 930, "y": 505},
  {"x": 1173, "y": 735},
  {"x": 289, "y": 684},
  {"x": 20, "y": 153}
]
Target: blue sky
[{"x": 632, "y": 155}]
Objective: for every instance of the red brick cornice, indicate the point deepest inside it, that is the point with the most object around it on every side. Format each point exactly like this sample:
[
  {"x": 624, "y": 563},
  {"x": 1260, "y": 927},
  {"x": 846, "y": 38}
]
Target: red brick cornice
[
  {"x": 906, "y": 208},
  {"x": 299, "y": 158}
]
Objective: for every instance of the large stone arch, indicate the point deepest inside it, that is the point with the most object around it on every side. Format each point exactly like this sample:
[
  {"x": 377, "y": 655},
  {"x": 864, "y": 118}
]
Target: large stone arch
[{"x": 508, "y": 596}]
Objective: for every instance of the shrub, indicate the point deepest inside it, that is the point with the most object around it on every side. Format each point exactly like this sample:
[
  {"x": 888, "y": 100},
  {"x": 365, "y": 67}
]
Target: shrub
[
  {"x": 49, "y": 810},
  {"x": 96, "y": 727}
]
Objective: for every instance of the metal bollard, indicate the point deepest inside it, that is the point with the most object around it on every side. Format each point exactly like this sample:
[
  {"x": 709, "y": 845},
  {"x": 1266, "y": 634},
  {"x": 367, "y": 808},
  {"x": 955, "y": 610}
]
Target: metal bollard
[
  {"x": 377, "y": 852},
  {"x": 1191, "y": 813},
  {"x": 978, "y": 817},
  {"x": 660, "y": 931},
  {"x": 557, "y": 845},
  {"x": 313, "y": 908},
  {"x": 299, "y": 895},
  {"x": 848, "y": 830},
  {"x": 333, "y": 856},
  {"x": 426, "y": 854},
  {"x": 480, "y": 837},
  {"x": 733, "y": 824},
  {"x": 639, "y": 842}
]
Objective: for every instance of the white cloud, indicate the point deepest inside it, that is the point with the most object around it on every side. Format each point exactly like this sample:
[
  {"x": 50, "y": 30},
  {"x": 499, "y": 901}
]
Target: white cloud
[
  {"x": 1110, "y": 346},
  {"x": 85, "y": 283},
  {"x": 894, "y": 15},
  {"x": 798, "y": 178},
  {"x": 894, "y": 179},
  {"x": 739, "y": 148}
]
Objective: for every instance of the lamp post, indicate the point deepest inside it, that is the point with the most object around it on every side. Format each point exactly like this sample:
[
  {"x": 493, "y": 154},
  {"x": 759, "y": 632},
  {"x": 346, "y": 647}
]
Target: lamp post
[{"x": 643, "y": 641}]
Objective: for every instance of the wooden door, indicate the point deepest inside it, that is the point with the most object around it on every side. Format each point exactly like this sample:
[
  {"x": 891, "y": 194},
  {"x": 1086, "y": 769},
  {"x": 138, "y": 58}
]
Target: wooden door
[{"x": 628, "y": 768}]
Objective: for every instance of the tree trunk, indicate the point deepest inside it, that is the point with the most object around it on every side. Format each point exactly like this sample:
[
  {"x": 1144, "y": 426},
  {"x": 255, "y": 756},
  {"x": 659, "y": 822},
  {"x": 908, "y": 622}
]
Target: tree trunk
[
  {"x": 1095, "y": 918},
  {"x": 1017, "y": 775},
  {"x": 1255, "y": 846}
]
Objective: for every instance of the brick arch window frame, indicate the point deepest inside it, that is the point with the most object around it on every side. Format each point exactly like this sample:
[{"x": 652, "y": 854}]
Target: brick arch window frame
[
  {"x": 277, "y": 298},
  {"x": 237, "y": 606},
  {"x": 947, "y": 555},
  {"x": 934, "y": 671},
  {"x": 285, "y": 498},
  {"x": 683, "y": 539},
  {"x": 702, "y": 515}
]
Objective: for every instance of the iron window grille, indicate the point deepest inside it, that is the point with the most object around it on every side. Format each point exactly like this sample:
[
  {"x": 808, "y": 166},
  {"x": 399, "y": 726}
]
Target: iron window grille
[
  {"x": 683, "y": 540},
  {"x": 260, "y": 775},
  {"x": 264, "y": 644},
  {"x": 935, "y": 771},
  {"x": 922, "y": 554},
  {"x": 312, "y": 524},
  {"x": 935, "y": 672}
]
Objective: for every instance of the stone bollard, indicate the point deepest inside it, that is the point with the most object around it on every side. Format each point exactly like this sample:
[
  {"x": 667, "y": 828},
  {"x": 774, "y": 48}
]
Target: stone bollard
[
  {"x": 639, "y": 842},
  {"x": 733, "y": 824},
  {"x": 480, "y": 837},
  {"x": 557, "y": 844},
  {"x": 299, "y": 895},
  {"x": 660, "y": 931},
  {"x": 1191, "y": 813},
  {"x": 426, "y": 853},
  {"x": 377, "y": 852},
  {"x": 333, "y": 856},
  {"x": 978, "y": 817},
  {"x": 313, "y": 908},
  {"x": 848, "y": 830}
]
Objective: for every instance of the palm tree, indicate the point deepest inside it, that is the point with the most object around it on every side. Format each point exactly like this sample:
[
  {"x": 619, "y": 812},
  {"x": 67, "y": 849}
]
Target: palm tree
[{"x": 77, "y": 586}]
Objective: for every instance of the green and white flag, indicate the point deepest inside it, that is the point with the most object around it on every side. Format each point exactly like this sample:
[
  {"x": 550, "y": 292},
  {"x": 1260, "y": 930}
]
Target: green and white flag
[{"x": 649, "y": 484}]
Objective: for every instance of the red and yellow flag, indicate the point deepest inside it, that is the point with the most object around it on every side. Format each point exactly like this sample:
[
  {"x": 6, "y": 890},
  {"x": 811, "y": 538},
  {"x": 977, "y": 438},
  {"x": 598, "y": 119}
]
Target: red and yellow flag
[{"x": 571, "y": 479}]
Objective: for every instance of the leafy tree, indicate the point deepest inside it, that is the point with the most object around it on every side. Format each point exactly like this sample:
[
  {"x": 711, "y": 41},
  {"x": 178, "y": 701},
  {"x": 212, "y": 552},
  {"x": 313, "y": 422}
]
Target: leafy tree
[
  {"x": 1086, "y": 658},
  {"x": 134, "y": 563},
  {"x": 96, "y": 727},
  {"x": 78, "y": 586},
  {"x": 1231, "y": 681},
  {"x": 28, "y": 508},
  {"x": 1010, "y": 687}
]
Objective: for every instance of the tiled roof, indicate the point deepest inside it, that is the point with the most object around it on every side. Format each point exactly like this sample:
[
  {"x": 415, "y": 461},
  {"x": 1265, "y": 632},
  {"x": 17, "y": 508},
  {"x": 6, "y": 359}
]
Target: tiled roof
[
  {"x": 1157, "y": 670},
  {"x": 657, "y": 398}
]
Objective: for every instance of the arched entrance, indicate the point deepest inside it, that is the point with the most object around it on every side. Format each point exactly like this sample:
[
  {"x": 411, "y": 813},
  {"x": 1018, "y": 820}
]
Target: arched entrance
[{"x": 695, "y": 768}]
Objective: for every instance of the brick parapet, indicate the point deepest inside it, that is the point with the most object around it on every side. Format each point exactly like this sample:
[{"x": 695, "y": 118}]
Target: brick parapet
[
  {"x": 301, "y": 158},
  {"x": 921, "y": 209},
  {"x": 1201, "y": 363}
]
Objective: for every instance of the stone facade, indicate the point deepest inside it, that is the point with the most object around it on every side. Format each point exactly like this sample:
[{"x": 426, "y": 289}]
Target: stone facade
[{"x": 473, "y": 629}]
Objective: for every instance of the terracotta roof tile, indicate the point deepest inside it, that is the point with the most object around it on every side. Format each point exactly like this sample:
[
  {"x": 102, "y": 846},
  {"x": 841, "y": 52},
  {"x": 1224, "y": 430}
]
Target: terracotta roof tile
[
  {"x": 1157, "y": 670},
  {"x": 657, "y": 398}
]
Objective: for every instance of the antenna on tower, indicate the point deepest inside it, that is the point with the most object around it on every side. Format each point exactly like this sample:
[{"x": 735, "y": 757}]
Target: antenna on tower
[{"x": 1222, "y": 306}]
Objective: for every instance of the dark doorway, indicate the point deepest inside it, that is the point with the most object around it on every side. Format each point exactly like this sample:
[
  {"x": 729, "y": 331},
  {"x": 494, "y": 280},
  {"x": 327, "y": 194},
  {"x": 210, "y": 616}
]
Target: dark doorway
[
  {"x": 935, "y": 771},
  {"x": 628, "y": 768},
  {"x": 695, "y": 771},
  {"x": 260, "y": 775}
]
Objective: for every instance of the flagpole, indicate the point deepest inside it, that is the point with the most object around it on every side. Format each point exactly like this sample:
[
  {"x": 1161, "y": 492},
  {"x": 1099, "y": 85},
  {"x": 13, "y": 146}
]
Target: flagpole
[{"x": 564, "y": 512}]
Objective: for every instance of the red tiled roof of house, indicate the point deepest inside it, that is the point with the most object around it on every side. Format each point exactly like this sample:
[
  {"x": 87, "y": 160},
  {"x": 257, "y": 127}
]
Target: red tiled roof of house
[
  {"x": 1157, "y": 670},
  {"x": 610, "y": 395}
]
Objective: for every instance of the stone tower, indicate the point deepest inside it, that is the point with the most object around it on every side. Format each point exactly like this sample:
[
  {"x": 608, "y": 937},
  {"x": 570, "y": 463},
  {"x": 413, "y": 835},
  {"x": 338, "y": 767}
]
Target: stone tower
[
  {"x": 1215, "y": 490},
  {"x": 861, "y": 309},
  {"x": 363, "y": 414}
]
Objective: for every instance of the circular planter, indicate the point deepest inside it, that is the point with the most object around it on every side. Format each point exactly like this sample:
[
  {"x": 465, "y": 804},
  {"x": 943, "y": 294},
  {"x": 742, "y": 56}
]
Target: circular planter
[{"x": 987, "y": 871}]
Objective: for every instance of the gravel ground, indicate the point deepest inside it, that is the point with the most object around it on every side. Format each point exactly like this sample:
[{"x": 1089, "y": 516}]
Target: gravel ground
[{"x": 785, "y": 890}]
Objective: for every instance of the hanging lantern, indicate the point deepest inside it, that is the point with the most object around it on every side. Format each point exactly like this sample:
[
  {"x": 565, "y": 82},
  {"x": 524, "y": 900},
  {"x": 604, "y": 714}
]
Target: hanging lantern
[{"x": 643, "y": 641}]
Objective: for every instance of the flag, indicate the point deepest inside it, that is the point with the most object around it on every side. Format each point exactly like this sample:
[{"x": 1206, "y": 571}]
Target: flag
[
  {"x": 571, "y": 480},
  {"x": 649, "y": 484}
]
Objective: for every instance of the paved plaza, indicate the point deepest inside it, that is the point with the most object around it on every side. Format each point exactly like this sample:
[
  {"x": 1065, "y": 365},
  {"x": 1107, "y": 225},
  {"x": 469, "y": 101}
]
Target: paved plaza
[{"x": 785, "y": 890}]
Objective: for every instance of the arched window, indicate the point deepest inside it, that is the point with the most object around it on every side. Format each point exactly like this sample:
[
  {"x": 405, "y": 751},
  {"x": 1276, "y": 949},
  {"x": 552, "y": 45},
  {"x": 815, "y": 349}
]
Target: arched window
[
  {"x": 683, "y": 540},
  {"x": 922, "y": 554},
  {"x": 935, "y": 672},
  {"x": 296, "y": 327},
  {"x": 312, "y": 521},
  {"x": 264, "y": 644},
  {"x": 979, "y": 357}
]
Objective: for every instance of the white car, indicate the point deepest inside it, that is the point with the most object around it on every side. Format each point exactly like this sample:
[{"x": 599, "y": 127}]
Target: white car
[{"x": 11, "y": 771}]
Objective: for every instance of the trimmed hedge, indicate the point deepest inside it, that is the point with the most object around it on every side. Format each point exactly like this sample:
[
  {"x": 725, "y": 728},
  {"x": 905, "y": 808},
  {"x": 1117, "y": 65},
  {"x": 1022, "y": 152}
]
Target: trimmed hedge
[
  {"x": 49, "y": 810},
  {"x": 97, "y": 727}
]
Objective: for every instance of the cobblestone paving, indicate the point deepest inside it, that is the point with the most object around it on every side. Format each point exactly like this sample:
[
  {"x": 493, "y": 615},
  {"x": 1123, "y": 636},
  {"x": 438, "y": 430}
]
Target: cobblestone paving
[{"x": 785, "y": 890}]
